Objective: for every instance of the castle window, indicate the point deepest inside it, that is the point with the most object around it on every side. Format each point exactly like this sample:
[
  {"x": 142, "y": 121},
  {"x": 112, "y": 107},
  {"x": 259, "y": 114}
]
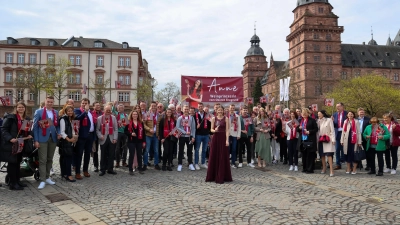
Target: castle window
[
  {"x": 328, "y": 37},
  {"x": 317, "y": 58},
  {"x": 328, "y": 58},
  {"x": 329, "y": 73},
  {"x": 384, "y": 75},
  {"x": 328, "y": 47},
  {"x": 316, "y": 47},
  {"x": 297, "y": 15},
  {"x": 344, "y": 75},
  {"x": 320, "y": 10},
  {"x": 317, "y": 90},
  {"x": 298, "y": 73},
  {"x": 298, "y": 60},
  {"x": 396, "y": 77},
  {"x": 316, "y": 36}
]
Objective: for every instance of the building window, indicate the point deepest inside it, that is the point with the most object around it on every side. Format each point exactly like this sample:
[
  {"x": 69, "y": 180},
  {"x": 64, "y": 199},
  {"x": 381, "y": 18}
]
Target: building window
[
  {"x": 384, "y": 75},
  {"x": 320, "y": 10},
  {"x": 50, "y": 76},
  {"x": 316, "y": 36},
  {"x": 329, "y": 73},
  {"x": 31, "y": 96},
  {"x": 328, "y": 58},
  {"x": 50, "y": 58},
  {"x": 317, "y": 72},
  {"x": 328, "y": 47},
  {"x": 328, "y": 37},
  {"x": 140, "y": 80},
  {"x": 316, "y": 47},
  {"x": 9, "y": 93},
  {"x": 124, "y": 61},
  {"x": 124, "y": 79},
  {"x": 298, "y": 49},
  {"x": 20, "y": 95},
  {"x": 298, "y": 74},
  {"x": 357, "y": 73},
  {"x": 9, "y": 57},
  {"x": 51, "y": 43},
  {"x": 298, "y": 60},
  {"x": 33, "y": 42},
  {"x": 297, "y": 15},
  {"x": 9, "y": 76},
  {"x": 74, "y": 78},
  {"x": 123, "y": 97},
  {"x": 20, "y": 77},
  {"x": 124, "y": 45},
  {"x": 75, "y": 60},
  {"x": 294, "y": 62},
  {"x": 298, "y": 39},
  {"x": 100, "y": 60},
  {"x": 252, "y": 79},
  {"x": 76, "y": 43},
  {"x": 317, "y": 58},
  {"x": 344, "y": 75},
  {"x": 75, "y": 95},
  {"x": 32, "y": 58},
  {"x": 396, "y": 77},
  {"x": 21, "y": 58},
  {"x": 98, "y": 44},
  {"x": 99, "y": 78},
  {"x": 317, "y": 90}
]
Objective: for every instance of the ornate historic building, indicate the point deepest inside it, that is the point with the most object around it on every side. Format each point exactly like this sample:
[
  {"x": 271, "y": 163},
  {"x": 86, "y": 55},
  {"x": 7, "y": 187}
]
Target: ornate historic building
[{"x": 318, "y": 59}]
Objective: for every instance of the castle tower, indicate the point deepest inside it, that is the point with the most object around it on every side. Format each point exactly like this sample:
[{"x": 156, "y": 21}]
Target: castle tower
[
  {"x": 314, "y": 49},
  {"x": 255, "y": 65}
]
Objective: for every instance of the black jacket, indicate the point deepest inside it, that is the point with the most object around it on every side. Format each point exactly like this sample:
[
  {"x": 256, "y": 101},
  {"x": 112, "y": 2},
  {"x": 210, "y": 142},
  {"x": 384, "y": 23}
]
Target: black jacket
[
  {"x": 136, "y": 139},
  {"x": 161, "y": 128},
  {"x": 278, "y": 131},
  {"x": 8, "y": 132},
  {"x": 201, "y": 130},
  {"x": 312, "y": 127}
]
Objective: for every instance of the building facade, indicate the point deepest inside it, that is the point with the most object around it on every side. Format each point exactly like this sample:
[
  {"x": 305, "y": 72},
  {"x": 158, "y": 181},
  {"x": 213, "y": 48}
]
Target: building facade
[
  {"x": 92, "y": 63},
  {"x": 318, "y": 59}
]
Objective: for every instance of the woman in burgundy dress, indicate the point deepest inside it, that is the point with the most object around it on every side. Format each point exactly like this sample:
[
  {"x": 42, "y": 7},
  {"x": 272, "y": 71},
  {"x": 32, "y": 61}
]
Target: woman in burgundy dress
[{"x": 219, "y": 169}]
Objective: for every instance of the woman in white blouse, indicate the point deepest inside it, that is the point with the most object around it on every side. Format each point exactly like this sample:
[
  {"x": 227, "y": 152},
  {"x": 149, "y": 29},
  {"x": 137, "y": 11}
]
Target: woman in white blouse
[{"x": 67, "y": 142}]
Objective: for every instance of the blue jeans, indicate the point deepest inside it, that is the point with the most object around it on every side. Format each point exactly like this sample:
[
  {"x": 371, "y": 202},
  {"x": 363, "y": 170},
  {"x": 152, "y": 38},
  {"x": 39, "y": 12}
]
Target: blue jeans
[
  {"x": 151, "y": 141},
  {"x": 233, "y": 146},
  {"x": 198, "y": 140},
  {"x": 339, "y": 149}
]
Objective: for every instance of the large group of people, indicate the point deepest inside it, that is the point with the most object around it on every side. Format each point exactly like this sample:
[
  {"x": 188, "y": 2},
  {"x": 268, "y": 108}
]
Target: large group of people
[{"x": 223, "y": 136}]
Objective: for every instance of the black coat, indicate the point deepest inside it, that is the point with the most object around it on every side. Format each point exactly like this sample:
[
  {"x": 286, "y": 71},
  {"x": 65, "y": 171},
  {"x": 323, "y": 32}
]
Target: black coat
[
  {"x": 8, "y": 132},
  {"x": 278, "y": 131},
  {"x": 312, "y": 127}
]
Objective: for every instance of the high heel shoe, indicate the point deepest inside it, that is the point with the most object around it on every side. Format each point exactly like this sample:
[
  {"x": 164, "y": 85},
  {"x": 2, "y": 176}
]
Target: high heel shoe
[
  {"x": 16, "y": 187},
  {"x": 323, "y": 172},
  {"x": 69, "y": 179}
]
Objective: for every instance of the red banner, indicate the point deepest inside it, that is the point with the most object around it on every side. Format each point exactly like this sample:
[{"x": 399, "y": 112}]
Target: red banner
[{"x": 211, "y": 90}]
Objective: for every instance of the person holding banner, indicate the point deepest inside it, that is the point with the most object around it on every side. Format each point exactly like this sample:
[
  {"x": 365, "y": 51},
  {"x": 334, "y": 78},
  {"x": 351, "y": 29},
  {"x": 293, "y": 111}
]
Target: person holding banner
[
  {"x": 167, "y": 126},
  {"x": 195, "y": 93},
  {"x": 13, "y": 133},
  {"x": 136, "y": 140},
  {"x": 219, "y": 170},
  {"x": 46, "y": 132}
]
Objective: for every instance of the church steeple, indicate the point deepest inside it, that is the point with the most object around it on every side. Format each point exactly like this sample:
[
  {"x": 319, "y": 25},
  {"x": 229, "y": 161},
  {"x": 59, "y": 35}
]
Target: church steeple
[
  {"x": 255, "y": 48},
  {"x": 372, "y": 41}
]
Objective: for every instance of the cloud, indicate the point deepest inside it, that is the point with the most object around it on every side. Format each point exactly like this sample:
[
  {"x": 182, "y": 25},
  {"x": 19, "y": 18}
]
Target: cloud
[{"x": 198, "y": 37}]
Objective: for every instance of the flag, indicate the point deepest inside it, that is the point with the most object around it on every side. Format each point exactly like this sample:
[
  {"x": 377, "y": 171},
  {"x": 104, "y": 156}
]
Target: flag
[
  {"x": 263, "y": 99},
  {"x": 272, "y": 99},
  {"x": 173, "y": 101},
  {"x": 117, "y": 84},
  {"x": 84, "y": 89},
  {"x": 329, "y": 102},
  {"x": 286, "y": 90},
  {"x": 104, "y": 100},
  {"x": 250, "y": 100},
  {"x": 3, "y": 100},
  {"x": 314, "y": 107},
  {"x": 76, "y": 125},
  {"x": 176, "y": 132},
  {"x": 281, "y": 89},
  {"x": 26, "y": 125}
]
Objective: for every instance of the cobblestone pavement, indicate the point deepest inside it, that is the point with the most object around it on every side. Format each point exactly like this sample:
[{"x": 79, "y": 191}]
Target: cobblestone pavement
[{"x": 273, "y": 195}]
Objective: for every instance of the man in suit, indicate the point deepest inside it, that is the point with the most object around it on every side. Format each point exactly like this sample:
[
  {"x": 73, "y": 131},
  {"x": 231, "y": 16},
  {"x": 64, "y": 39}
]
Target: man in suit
[
  {"x": 85, "y": 139},
  {"x": 107, "y": 132},
  {"x": 364, "y": 122},
  {"x": 45, "y": 138},
  {"x": 338, "y": 121}
]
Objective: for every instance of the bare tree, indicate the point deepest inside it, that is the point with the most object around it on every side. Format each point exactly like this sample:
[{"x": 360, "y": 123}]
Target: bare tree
[
  {"x": 144, "y": 89},
  {"x": 170, "y": 91},
  {"x": 100, "y": 87},
  {"x": 58, "y": 75}
]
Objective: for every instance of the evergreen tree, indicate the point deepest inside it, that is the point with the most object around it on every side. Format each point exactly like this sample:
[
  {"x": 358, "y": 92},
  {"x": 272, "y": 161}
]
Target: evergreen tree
[{"x": 257, "y": 92}]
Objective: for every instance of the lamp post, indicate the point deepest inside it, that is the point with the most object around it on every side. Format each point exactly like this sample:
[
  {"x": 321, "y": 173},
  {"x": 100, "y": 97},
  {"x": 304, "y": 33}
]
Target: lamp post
[{"x": 153, "y": 81}]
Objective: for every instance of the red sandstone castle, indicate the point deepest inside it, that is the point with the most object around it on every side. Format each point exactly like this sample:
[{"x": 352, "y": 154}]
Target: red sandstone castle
[{"x": 317, "y": 58}]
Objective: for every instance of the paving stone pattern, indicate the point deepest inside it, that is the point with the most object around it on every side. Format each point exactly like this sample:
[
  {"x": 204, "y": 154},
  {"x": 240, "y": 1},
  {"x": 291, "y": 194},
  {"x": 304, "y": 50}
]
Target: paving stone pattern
[{"x": 272, "y": 196}]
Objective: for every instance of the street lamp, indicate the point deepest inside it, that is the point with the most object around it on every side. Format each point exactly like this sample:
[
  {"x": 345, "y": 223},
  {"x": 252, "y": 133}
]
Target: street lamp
[{"x": 153, "y": 81}]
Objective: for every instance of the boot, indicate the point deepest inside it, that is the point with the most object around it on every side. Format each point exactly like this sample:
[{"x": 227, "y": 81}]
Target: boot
[
  {"x": 164, "y": 168},
  {"x": 16, "y": 187},
  {"x": 21, "y": 184}
]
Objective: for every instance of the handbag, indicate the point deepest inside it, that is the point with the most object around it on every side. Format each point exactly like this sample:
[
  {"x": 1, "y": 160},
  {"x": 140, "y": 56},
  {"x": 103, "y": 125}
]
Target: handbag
[
  {"x": 66, "y": 148},
  {"x": 324, "y": 138},
  {"x": 16, "y": 149},
  {"x": 359, "y": 154}
]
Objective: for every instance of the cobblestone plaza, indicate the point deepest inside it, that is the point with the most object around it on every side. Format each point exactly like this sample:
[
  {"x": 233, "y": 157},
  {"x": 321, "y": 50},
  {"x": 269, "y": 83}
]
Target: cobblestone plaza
[{"x": 273, "y": 195}]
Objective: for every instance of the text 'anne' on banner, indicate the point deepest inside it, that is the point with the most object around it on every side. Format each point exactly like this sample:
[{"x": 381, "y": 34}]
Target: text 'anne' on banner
[{"x": 211, "y": 90}]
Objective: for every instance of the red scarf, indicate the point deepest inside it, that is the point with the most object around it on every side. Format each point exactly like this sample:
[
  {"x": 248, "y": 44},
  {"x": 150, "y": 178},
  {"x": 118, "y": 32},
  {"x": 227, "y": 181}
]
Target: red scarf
[
  {"x": 234, "y": 121},
  {"x": 19, "y": 122},
  {"x": 205, "y": 121},
  {"x": 168, "y": 129},
  {"x": 340, "y": 115},
  {"x": 94, "y": 116},
  {"x": 353, "y": 131},
  {"x": 186, "y": 126},
  {"x": 109, "y": 121},
  {"x": 44, "y": 116},
  {"x": 85, "y": 120},
  {"x": 140, "y": 130},
  {"x": 304, "y": 124},
  {"x": 119, "y": 117},
  {"x": 293, "y": 131},
  {"x": 154, "y": 119},
  {"x": 246, "y": 123}
]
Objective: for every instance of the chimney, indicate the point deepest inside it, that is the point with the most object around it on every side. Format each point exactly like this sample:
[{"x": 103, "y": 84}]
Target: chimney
[{"x": 363, "y": 42}]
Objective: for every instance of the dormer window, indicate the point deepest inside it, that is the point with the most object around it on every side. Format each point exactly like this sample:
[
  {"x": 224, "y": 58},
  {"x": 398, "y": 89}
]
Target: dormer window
[
  {"x": 76, "y": 43},
  {"x": 368, "y": 63},
  {"x": 362, "y": 53},
  {"x": 98, "y": 44},
  {"x": 376, "y": 53},
  {"x": 34, "y": 42},
  {"x": 11, "y": 41},
  {"x": 382, "y": 63},
  {"x": 125, "y": 45},
  {"x": 387, "y": 54},
  {"x": 52, "y": 43},
  {"x": 394, "y": 63}
]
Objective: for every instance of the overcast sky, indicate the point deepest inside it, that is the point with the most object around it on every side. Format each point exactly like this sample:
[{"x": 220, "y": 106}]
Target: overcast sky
[{"x": 196, "y": 37}]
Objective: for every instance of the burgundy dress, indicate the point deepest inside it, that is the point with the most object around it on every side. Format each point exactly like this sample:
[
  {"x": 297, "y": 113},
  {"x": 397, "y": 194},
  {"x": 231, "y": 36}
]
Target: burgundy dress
[{"x": 219, "y": 169}]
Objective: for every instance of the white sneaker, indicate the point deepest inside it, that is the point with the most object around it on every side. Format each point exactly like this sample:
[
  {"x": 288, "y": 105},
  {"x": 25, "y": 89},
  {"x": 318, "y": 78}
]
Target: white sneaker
[
  {"x": 296, "y": 168},
  {"x": 274, "y": 162},
  {"x": 387, "y": 170},
  {"x": 291, "y": 168},
  {"x": 252, "y": 161},
  {"x": 251, "y": 165},
  {"x": 49, "y": 181},
  {"x": 240, "y": 165},
  {"x": 204, "y": 166},
  {"x": 179, "y": 168},
  {"x": 51, "y": 171},
  {"x": 233, "y": 166},
  {"x": 393, "y": 172},
  {"x": 42, "y": 185},
  {"x": 191, "y": 167},
  {"x": 197, "y": 167}
]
